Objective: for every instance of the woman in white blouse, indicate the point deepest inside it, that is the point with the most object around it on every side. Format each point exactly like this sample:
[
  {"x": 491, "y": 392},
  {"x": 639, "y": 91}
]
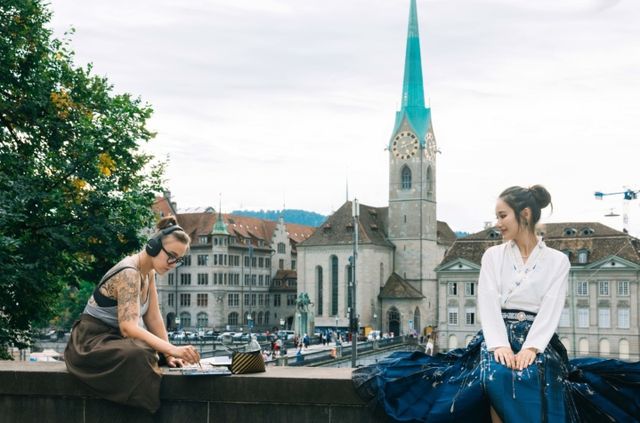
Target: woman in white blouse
[
  {"x": 515, "y": 370},
  {"x": 521, "y": 294}
]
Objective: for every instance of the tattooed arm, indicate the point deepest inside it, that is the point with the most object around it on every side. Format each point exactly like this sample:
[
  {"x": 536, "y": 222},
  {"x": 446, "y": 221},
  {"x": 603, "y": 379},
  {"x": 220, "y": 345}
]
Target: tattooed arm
[{"x": 128, "y": 294}]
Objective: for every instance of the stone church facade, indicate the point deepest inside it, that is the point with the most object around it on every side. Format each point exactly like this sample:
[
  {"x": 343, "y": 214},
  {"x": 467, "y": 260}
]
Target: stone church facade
[{"x": 399, "y": 245}]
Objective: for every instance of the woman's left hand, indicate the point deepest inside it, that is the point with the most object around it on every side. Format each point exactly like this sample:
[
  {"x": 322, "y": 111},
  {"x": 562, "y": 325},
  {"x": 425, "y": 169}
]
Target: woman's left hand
[
  {"x": 174, "y": 362},
  {"x": 525, "y": 357}
]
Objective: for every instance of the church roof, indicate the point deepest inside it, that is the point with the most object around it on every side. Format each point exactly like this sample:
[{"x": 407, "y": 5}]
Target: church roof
[
  {"x": 338, "y": 228},
  {"x": 598, "y": 240},
  {"x": 398, "y": 288},
  {"x": 372, "y": 227}
]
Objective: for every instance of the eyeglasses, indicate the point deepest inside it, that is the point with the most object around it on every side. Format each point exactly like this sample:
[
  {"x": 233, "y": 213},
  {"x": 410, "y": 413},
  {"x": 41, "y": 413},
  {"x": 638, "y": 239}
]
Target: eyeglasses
[{"x": 172, "y": 259}]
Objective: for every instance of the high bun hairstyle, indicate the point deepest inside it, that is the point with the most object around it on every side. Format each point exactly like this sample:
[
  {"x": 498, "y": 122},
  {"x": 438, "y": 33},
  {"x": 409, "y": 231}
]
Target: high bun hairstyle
[
  {"x": 535, "y": 198},
  {"x": 167, "y": 222}
]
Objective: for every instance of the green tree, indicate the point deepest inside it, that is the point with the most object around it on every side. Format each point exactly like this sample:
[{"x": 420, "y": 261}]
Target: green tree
[{"x": 75, "y": 189}]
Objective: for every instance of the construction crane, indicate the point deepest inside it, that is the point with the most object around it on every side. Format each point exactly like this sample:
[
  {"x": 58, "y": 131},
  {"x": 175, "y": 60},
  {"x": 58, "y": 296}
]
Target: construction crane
[{"x": 628, "y": 196}]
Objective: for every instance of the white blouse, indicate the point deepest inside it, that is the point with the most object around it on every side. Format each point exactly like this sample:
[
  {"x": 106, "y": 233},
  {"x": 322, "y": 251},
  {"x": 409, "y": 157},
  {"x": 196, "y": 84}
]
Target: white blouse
[{"x": 538, "y": 286}]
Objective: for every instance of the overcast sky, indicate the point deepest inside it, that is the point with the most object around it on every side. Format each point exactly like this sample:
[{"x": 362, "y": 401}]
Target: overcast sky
[{"x": 273, "y": 102}]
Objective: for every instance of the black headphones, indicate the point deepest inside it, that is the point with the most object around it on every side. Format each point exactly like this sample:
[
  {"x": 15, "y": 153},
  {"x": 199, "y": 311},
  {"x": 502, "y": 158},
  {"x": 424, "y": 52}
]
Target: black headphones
[{"x": 154, "y": 245}]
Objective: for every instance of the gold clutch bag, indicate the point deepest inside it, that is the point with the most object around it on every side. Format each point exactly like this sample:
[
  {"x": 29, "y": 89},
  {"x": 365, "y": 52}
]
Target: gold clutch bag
[{"x": 247, "y": 362}]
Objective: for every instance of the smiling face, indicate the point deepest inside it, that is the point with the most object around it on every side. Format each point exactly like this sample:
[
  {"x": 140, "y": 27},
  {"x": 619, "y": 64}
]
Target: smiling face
[
  {"x": 506, "y": 221},
  {"x": 172, "y": 249}
]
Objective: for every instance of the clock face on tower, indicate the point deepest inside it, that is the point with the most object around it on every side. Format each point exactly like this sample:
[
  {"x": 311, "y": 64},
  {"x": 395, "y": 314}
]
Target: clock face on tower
[{"x": 405, "y": 145}]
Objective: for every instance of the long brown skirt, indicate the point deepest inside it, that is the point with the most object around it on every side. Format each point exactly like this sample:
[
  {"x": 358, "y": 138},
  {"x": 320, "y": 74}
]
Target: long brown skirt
[{"x": 119, "y": 369}]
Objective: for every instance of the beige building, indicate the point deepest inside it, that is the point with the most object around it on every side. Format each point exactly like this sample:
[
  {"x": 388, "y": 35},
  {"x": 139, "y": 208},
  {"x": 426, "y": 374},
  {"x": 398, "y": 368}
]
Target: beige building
[
  {"x": 601, "y": 311},
  {"x": 239, "y": 271}
]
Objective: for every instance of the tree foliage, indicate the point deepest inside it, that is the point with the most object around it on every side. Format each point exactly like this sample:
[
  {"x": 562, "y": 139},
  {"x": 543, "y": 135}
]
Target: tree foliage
[{"x": 75, "y": 189}]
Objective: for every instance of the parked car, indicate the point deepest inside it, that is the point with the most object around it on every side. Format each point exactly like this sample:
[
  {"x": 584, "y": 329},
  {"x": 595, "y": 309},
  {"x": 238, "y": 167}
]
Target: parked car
[{"x": 286, "y": 334}]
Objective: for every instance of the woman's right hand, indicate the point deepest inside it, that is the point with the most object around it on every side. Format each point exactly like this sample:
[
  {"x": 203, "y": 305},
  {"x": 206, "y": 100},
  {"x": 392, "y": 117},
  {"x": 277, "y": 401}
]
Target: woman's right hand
[
  {"x": 188, "y": 353},
  {"x": 504, "y": 355}
]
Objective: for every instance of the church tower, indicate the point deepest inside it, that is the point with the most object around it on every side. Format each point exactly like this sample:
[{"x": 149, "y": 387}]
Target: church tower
[{"x": 412, "y": 177}]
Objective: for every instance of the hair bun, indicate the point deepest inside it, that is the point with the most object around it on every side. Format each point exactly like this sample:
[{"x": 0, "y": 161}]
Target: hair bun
[
  {"x": 166, "y": 222},
  {"x": 541, "y": 195}
]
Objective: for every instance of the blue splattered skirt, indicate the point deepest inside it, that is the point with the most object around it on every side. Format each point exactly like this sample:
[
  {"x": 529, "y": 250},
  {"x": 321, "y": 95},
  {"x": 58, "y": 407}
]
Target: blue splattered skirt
[{"x": 461, "y": 385}]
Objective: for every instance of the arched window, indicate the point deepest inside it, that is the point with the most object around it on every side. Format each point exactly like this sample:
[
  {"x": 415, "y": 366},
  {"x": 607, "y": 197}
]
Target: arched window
[
  {"x": 406, "y": 177},
  {"x": 232, "y": 320},
  {"x": 429, "y": 183},
  {"x": 260, "y": 318},
  {"x": 203, "y": 320},
  {"x": 393, "y": 320},
  {"x": 623, "y": 349},
  {"x": 604, "y": 347},
  {"x": 266, "y": 317},
  {"x": 282, "y": 248},
  {"x": 320, "y": 287},
  {"x": 583, "y": 346},
  {"x": 185, "y": 319},
  {"x": 453, "y": 342},
  {"x": 416, "y": 321},
  {"x": 334, "y": 285}
]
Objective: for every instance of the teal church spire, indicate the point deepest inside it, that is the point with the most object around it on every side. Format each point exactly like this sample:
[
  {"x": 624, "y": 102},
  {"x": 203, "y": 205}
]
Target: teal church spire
[{"x": 412, "y": 107}]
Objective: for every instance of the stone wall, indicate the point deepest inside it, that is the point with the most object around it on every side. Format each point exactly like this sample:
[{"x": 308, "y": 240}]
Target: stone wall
[{"x": 45, "y": 392}]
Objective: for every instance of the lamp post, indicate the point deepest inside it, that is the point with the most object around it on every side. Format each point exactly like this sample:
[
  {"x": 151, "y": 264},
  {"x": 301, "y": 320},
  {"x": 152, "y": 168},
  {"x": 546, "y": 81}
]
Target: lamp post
[
  {"x": 355, "y": 209},
  {"x": 375, "y": 321}
]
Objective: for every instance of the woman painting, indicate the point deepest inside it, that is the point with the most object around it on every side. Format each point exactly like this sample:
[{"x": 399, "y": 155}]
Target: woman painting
[
  {"x": 515, "y": 369},
  {"x": 114, "y": 346}
]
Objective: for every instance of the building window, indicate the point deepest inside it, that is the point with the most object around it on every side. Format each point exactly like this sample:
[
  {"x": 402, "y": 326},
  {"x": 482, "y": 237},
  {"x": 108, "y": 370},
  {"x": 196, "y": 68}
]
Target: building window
[
  {"x": 185, "y": 279},
  {"x": 276, "y": 300},
  {"x": 319, "y": 287},
  {"x": 185, "y": 319},
  {"x": 470, "y": 316},
  {"x": 293, "y": 264},
  {"x": 232, "y": 320},
  {"x": 291, "y": 299},
  {"x": 260, "y": 261},
  {"x": 185, "y": 300},
  {"x": 281, "y": 264},
  {"x": 267, "y": 280},
  {"x": 266, "y": 317},
  {"x": 583, "y": 317},
  {"x": 603, "y": 288},
  {"x": 203, "y": 320},
  {"x": 282, "y": 248},
  {"x": 233, "y": 300},
  {"x": 170, "y": 300},
  {"x": 583, "y": 256},
  {"x": 202, "y": 300},
  {"x": 334, "y": 285},
  {"x": 186, "y": 260},
  {"x": 565, "y": 318},
  {"x": 582, "y": 288},
  {"x": 406, "y": 177},
  {"x": 203, "y": 279},
  {"x": 246, "y": 261},
  {"x": 260, "y": 299},
  {"x": 453, "y": 316},
  {"x": 254, "y": 262},
  {"x": 267, "y": 301},
  {"x": 604, "y": 317},
  {"x": 171, "y": 278},
  {"x": 623, "y": 318},
  {"x": 470, "y": 289},
  {"x": 247, "y": 299},
  {"x": 623, "y": 288},
  {"x": 202, "y": 239},
  {"x": 453, "y": 288}
]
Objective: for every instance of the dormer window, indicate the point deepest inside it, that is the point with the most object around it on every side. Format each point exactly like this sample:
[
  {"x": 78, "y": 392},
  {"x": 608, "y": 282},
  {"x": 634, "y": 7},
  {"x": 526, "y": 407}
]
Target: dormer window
[
  {"x": 569, "y": 232},
  {"x": 583, "y": 256},
  {"x": 586, "y": 231}
]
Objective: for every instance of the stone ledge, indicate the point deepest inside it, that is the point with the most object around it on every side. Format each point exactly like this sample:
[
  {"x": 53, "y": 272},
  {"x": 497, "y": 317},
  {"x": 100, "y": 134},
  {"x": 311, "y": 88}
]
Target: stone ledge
[{"x": 30, "y": 391}]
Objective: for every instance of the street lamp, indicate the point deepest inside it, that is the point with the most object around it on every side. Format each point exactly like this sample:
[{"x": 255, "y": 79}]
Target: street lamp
[
  {"x": 375, "y": 320},
  {"x": 355, "y": 209}
]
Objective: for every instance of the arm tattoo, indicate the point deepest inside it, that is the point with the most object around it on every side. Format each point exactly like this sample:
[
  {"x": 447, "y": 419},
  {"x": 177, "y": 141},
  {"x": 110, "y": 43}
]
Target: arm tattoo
[{"x": 128, "y": 289}]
